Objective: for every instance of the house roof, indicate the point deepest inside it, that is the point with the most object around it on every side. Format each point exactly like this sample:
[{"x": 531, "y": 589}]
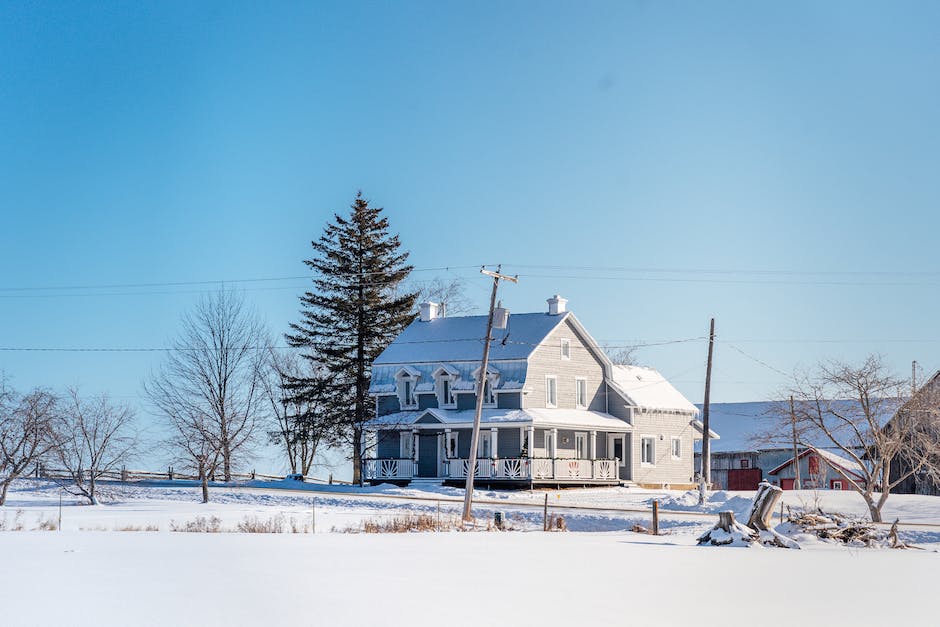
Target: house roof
[
  {"x": 555, "y": 418},
  {"x": 647, "y": 388},
  {"x": 843, "y": 464},
  {"x": 461, "y": 339}
]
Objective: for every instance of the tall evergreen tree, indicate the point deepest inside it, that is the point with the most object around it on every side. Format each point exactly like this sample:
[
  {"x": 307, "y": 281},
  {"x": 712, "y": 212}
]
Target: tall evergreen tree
[{"x": 355, "y": 311}]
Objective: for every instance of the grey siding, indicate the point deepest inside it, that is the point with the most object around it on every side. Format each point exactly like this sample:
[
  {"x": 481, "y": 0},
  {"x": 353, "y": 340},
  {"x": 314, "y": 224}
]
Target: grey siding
[
  {"x": 546, "y": 360},
  {"x": 509, "y": 442},
  {"x": 427, "y": 401},
  {"x": 388, "y": 444},
  {"x": 617, "y": 405},
  {"x": 509, "y": 400},
  {"x": 662, "y": 427},
  {"x": 466, "y": 401},
  {"x": 387, "y": 404}
]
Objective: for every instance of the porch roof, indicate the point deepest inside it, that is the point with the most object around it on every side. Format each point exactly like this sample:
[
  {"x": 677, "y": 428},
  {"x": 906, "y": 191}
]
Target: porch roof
[{"x": 553, "y": 418}]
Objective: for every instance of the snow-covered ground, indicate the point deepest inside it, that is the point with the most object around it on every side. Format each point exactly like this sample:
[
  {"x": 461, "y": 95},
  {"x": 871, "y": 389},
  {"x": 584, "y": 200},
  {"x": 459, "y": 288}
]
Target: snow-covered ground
[{"x": 92, "y": 573}]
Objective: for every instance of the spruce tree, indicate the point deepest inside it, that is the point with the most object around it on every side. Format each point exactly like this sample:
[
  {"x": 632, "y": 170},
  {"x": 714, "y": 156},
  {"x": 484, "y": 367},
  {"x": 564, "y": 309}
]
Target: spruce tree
[{"x": 355, "y": 310}]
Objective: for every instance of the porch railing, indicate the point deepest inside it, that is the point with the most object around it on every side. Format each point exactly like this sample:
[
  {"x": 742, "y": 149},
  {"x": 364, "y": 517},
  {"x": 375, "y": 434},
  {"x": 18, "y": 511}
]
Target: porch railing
[
  {"x": 389, "y": 469},
  {"x": 537, "y": 468}
]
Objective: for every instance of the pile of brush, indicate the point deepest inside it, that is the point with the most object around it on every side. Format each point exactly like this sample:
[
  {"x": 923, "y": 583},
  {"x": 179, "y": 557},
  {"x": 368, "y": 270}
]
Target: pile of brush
[{"x": 846, "y": 530}]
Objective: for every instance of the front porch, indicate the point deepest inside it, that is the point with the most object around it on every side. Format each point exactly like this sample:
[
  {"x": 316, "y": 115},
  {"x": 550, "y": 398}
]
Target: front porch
[{"x": 512, "y": 471}]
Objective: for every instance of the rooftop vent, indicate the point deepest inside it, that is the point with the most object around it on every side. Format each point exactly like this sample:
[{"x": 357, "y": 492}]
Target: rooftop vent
[{"x": 557, "y": 305}]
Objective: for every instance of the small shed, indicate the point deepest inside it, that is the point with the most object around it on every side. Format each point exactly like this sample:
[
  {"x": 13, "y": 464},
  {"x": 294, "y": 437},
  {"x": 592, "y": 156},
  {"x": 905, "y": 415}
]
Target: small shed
[{"x": 819, "y": 470}]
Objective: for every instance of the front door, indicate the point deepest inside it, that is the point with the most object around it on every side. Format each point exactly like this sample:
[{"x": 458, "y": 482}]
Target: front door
[
  {"x": 617, "y": 447},
  {"x": 428, "y": 449}
]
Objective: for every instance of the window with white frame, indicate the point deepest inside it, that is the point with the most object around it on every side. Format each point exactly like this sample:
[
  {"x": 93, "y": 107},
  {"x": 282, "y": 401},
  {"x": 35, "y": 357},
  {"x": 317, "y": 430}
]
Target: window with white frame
[
  {"x": 551, "y": 391},
  {"x": 445, "y": 391},
  {"x": 489, "y": 391},
  {"x": 406, "y": 441},
  {"x": 580, "y": 386},
  {"x": 450, "y": 445},
  {"x": 676, "y": 447},
  {"x": 485, "y": 446},
  {"x": 565, "y": 348},
  {"x": 581, "y": 445},
  {"x": 406, "y": 391},
  {"x": 648, "y": 449}
]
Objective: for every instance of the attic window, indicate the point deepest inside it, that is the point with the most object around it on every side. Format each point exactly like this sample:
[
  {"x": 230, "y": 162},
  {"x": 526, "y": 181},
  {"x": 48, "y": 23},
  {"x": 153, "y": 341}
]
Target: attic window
[
  {"x": 445, "y": 391},
  {"x": 489, "y": 390},
  {"x": 406, "y": 391},
  {"x": 565, "y": 348}
]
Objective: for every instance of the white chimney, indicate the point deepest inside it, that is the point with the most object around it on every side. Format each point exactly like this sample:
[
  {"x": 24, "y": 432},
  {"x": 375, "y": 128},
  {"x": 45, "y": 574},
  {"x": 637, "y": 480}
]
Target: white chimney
[
  {"x": 429, "y": 311},
  {"x": 557, "y": 305}
]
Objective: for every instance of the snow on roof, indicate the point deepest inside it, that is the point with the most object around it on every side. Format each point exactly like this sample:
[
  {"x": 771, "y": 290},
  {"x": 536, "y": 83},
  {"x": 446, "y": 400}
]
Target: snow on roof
[
  {"x": 562, "y": 418},
  {"x": 647, "y": 388},
  {"x": 461, "y": 339},
  {"x": 833, "y": 459}
]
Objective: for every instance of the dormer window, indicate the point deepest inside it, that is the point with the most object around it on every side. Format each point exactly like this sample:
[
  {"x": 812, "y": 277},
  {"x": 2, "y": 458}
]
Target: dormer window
[
  {"x": 407, "y": 379},
  {"x": 489, "y": 390},
  {"x": 445, "y": 392},
  {"x": 489, "y": 385},
  {"x": 444, "y": 378},
  {"x": 565, "y": 348}
]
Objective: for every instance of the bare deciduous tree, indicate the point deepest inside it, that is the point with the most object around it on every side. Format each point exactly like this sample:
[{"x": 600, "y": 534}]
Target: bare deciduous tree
[
  {"x": 94, "y": 436},
  {"x": 27, "y": 432},
  {"x": 299, "y": 421},
  {"x": 847, "y": 407},
  {"x": 450, "y": 294},
  {"x": 621, "y": 355},
  {"x": 210, "y": 385}
]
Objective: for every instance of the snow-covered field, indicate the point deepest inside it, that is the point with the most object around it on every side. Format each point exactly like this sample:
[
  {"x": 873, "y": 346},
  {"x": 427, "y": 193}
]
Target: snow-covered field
[{"x": 93, "y": 573}]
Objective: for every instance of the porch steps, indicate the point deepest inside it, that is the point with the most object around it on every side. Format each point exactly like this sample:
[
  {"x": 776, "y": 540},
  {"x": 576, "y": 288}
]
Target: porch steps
[{"x": 418, "y": 481}]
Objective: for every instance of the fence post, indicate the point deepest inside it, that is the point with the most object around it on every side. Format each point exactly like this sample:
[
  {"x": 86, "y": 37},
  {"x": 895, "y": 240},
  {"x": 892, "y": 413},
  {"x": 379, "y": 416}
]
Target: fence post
[
  {"x": 655, "y": 518},
  {"x": 331, "y": 478},
  {"x": 169, "y": 472},
  {"x": 252, "y": 474},
  {"x": 314, "y": 516},
  {"x": 124, "y": 474},
  {"x": 545, "y": 514}
]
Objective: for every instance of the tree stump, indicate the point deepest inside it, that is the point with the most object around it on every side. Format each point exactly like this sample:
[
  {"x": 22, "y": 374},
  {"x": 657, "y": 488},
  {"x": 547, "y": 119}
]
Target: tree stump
[
  {"x": 762, "y": 508},
  {"x": 728, "y": 531}
]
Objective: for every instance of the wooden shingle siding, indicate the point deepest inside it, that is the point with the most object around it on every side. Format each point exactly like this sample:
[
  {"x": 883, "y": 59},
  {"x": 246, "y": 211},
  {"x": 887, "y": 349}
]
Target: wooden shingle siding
[{"x": 547, "y": 361}]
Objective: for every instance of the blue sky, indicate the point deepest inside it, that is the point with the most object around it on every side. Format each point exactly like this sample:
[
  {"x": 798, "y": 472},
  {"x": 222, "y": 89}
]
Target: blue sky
[{"x": 770, "y": 164}]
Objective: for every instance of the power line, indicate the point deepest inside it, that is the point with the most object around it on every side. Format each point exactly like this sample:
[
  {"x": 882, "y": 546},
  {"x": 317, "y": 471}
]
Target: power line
[{"x": 216, "y": 281}]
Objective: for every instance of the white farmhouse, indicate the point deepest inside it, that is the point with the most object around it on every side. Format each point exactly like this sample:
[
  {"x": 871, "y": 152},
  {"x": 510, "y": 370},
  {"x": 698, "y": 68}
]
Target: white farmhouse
[{"x": 556, "y": 411}]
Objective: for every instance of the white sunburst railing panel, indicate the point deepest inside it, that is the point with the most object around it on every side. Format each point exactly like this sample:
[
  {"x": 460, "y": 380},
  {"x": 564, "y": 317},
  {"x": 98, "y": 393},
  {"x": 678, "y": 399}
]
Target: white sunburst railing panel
[
  {"x": 605, "y": 469},
  {"x": 512, "y": 468},
  {"x": 573, "y": 469},
  {"x": 390, "y": 469},
  {"x": 542, "y": 468},
  {"x": 459, "y": 468}
]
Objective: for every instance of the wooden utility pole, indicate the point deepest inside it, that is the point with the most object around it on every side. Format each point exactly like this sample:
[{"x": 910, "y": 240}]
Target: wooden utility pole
[
  {"x": 797, "y": 484},
  {"x": 913, "y": 378},
  {"x": 481, "y": 386},
  {"x": 706, "y": 454}
]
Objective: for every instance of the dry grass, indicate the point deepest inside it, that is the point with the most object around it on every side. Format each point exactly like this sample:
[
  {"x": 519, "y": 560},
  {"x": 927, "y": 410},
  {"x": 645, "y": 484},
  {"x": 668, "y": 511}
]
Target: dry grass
[
  {"x": 418, "y": 523},
  {"x": 252, "y": 524},
  {"x": 15, "y": 525},
  {"x": 47, "y": 525},
  {"x": 200, "y": 525},
  {"x": 138, "y": 528}
]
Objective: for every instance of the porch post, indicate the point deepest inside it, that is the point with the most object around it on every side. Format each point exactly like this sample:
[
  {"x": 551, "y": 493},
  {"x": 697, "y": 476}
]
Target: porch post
[
  {"x": 593, "y": 444},
  {"x": 445, "y": 463},
  {"x": 530, "y": 450},
  {"x": 554, "y": 443},
  {"x": 494, "y": 433},
  {"x": 414, "y": 452}
]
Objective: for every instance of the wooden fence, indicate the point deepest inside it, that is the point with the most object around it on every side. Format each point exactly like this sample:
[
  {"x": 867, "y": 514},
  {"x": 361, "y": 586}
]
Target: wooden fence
[{"x": 123, "y": 474}]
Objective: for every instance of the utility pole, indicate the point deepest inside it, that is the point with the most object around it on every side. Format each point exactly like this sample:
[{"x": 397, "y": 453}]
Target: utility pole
[
  {"x": 797, "y": 484},
  {"x": 913, "y": 378},
  {"x": 706, "y": 454},
  {"x": 481, "y": 386}
]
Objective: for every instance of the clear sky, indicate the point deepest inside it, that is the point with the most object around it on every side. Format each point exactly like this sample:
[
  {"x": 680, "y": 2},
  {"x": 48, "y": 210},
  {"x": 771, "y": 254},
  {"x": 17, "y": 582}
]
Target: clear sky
[{"x": 774, "y": 165}]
